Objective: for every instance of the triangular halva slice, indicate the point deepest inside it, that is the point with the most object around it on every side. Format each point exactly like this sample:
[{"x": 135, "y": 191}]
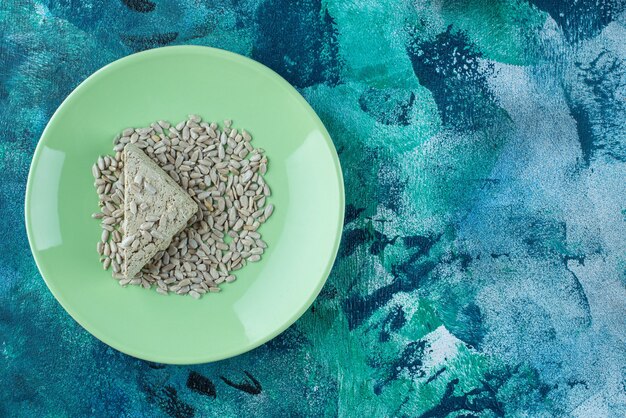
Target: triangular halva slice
[{"x": 155, "y": 209}]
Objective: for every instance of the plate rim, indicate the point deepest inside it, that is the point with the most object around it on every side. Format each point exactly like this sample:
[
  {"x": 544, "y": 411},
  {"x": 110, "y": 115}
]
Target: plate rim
[{"x": 206, "y": 358}]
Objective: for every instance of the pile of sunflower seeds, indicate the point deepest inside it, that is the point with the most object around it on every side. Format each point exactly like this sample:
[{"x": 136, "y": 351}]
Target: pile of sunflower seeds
[{"x": 223, "y": 173}]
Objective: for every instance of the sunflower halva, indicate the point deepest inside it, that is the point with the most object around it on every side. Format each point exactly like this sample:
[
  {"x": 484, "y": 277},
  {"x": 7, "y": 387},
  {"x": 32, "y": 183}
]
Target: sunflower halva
[{"x": 155, "y": 209}]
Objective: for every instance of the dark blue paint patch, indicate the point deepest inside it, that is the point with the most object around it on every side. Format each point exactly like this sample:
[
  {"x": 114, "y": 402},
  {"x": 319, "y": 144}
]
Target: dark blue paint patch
[
  {"x": 465, "y": 260},
  {"x": 413, "y": 272},
  {"x": 449, "y": 67},
  {"x": 142, "y": 42},
  {"x": 579, "y": 258},
  {"x": 496, "y": 256},
  {"x": 250, "y": 385},
  {"x": 584, "y": 129},
  {"x": 359, "y": 308},
  {"x": 156, "y": 366},
  {"x": 328, "y": 292},
  {"x": 168, "y": 401},
  {"x": 598, "y": 121},
  {"x": 411, "y": 361},
  {"x": 408, "y": 275},
  {"x": 470, "y": 327},
  {"x": 381, "y": 241},
  {"x": 581, "y": 19},
  {"x": 392, "y": 323},
  {"x": 201, "y": 384},
  {"x": 575, "y": 382},
  {"x": 436, "y": 375},
  {"x": 480, "y": 400},
  {"x": 298, "y": 40},
  {"x": 421, "y": 246},
  {"x": 352, "y": 213},
  {"x": 423, "y": 243},
  {"x": 141, "y": 6},
  {"x": 351, "y": 240},
  {"x": 576, "y": 289}
]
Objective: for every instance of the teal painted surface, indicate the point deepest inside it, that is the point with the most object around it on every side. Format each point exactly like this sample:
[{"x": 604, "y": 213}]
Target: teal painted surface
[{"x": 482, "y": 268}]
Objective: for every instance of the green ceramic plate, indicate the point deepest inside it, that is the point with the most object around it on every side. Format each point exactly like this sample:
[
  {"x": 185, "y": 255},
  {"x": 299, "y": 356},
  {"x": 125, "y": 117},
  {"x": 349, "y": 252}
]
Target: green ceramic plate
[{"x": 303, "y": 233}]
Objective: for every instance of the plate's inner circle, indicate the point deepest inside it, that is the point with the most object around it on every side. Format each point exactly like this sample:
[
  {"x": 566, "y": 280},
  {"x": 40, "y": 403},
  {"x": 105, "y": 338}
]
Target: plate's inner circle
[{"x": 303, "y": 233}]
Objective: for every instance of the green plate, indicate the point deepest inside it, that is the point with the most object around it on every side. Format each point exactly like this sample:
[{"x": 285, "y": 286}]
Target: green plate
[{"x": 303, "y": 233}]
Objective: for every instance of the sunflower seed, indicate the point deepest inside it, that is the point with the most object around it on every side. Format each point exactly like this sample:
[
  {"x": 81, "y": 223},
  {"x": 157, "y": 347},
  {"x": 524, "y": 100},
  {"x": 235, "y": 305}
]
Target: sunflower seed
[
  {"x": 126, "y": 242},
  {"x": 146, "y": 225},
  {"x": 149, "y": 188},
  {"x": 182, "y": 290}
]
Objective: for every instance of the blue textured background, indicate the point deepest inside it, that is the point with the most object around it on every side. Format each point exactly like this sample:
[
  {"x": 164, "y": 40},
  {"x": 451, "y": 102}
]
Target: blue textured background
[{"x": 483, "y": 265}]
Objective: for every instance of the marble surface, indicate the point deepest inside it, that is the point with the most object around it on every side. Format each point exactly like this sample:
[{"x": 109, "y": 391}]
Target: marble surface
[{"x": 482, "y": 267}]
